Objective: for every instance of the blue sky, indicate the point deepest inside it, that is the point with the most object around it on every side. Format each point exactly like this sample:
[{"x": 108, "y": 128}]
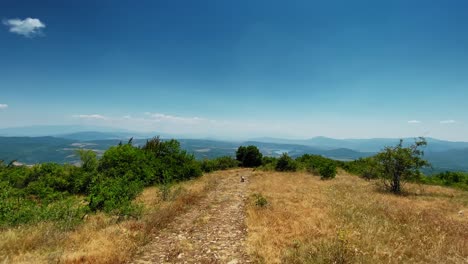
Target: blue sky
[{"x": 238, "y": 69}]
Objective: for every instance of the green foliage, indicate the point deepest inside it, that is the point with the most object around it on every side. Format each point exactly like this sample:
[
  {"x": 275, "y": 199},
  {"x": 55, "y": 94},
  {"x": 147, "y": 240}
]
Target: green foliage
[
  {"x": 128, "y": 160},
  {"x": 328, "y": 171},
  {"x": 50, "y": 191},
  {"x": 367, "y": 168},
  {"x": 259, "y": 200},
  {"x": 400, "y": 163},
  {"x": 88, "y": 158},
  {"x": 165, "y": 186},
  {"x": 285, "y": 163},
  {"x": 114, "y": 195},
  {"x": 249, "y": 156},
  {"x": 170, "y": 158},
  {"x": 448, "y": 178},
  {"x": 269, "y": 163},
  {"x": 221, "y": 163},
  {"x": 319, "y": 165},
  {"x": 16, "y": 209}
]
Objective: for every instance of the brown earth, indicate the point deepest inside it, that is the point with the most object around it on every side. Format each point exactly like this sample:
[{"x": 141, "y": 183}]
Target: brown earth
[{"x": 212, "y": 231}]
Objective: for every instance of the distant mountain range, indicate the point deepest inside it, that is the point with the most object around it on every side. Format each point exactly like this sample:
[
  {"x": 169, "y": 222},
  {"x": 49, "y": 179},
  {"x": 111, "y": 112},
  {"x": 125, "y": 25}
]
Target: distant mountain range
[
  {"x": 366, "y": 145},
  {"x": 61, "y": 146}
]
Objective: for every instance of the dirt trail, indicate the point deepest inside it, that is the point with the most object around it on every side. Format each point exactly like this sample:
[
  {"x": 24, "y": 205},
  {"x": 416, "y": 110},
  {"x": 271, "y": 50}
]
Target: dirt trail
[{"x": 213, "y": 231}]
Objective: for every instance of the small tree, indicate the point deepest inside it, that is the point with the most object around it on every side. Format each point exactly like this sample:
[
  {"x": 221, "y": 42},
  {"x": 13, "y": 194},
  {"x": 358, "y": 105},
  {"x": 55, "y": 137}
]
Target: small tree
[
  {"x": 400, "y": 163},
  {"x": 249, "y": 156},
  {"x": 286, "y": 163},
  {"x": 327, "y": 171}
]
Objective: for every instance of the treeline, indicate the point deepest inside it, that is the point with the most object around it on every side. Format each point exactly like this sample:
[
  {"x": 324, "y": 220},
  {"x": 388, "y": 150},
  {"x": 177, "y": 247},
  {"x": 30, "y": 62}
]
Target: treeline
[
  {"x": 393, "y": 165},
  {"x": 250, "y": 156},
  {"x": 66, "y": 193}
]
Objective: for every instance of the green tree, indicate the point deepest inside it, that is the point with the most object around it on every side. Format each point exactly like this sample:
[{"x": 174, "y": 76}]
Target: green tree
[
  {"x": 128, "y": 160},
  {"x": 327, "y": 171},
  {"x": 286, "y": 163},
  {"x": 88, "y": 158},
  {"x": 399, "y": 164},
  {"x": 249, "y": 156},
  {"x": 168, "y": 157}
]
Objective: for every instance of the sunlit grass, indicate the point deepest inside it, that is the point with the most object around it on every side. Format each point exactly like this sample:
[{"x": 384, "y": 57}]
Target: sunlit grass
[{"x": 349, "y": 220}]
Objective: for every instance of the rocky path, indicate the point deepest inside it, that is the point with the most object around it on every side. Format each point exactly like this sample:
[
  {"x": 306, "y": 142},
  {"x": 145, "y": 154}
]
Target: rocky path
[{"x": 213, "y": 231}]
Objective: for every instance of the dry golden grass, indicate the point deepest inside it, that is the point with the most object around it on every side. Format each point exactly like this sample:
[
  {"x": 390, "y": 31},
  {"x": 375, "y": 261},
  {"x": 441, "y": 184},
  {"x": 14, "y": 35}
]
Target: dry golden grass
[
  {"x": 101, "y": 238},
  {"x": 348, "y": 220}
]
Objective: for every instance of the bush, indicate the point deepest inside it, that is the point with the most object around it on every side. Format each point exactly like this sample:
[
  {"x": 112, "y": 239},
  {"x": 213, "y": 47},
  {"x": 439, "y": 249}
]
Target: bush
[
  {"x": 328, "y": 171},
  {"x": 114, "y": 195},
  {"x": 168, "y": 156},
  {"x": 221, "y": 163},
  {"x": 286, "y": 163},
  {"x": 249, "y": 156},
  {"x": 130, "y": 161},
  {"x": 259, "y": 200}
]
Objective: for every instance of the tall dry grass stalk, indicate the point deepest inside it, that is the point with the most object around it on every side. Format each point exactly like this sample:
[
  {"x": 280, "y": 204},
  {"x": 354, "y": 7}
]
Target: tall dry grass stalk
[{"x": 348, "y": 220}]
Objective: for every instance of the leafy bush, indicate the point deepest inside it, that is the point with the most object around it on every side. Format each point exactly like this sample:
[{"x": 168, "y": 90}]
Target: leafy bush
[
  {"x": 259, "y": 200},
  {"x": 114, "y": 195},
  {"x": 448, "y": 178},
  {"x": 168, "y": 156},
  {"x": 221, "y": 163},
  {"x": 15, "y": 209},
  {"x": 364, "y": 167},
  {"x": 286, "y": 163},
  {"x": 128, "y": 160},
  {"x": 249, "y": 156},
  {"x": 327, "y": 171}
]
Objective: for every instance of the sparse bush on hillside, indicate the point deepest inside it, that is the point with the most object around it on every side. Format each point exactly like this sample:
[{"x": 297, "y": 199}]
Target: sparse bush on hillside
[
  {"x": 128, "y": 160},
  {"x": 368, "y": 168},
  {"x": 260, "y": 200},
  {"x": 448, "y": 178},
  {"x": 286, "y": 163},
  {"x": 165, "y": 186},
  {"x": 269, "y": 163},
  {"x": 399, "y": 164},
  {"x": 221, "y": 163},
  {"x": 318, "y": 165},
  {"x": 327, "y": 171},
  {"x": 249, "y": 156},
  {"x": 168, "y": 156},
  {"x": 114, "y": 195}
]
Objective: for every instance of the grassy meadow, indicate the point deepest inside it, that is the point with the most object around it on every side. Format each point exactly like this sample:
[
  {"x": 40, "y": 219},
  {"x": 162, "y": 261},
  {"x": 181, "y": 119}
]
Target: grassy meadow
[{"x": 350, "y": 220}]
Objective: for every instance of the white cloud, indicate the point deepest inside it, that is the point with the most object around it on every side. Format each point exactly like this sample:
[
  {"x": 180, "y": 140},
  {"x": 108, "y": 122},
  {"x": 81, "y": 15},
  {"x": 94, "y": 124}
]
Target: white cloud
[
  {"x": 3, "y": 106},
  {"x": 28, "y": 27},
  {"x": 447, "y": 121},
  {"x": 158, "y": 117},
  {"x": 414, "y": 122},
  {"x": 93, "y": 116}
]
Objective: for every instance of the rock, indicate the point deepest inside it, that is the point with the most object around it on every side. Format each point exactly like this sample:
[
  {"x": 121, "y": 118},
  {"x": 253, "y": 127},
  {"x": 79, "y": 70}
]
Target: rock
[
  {"x": 461, "y": 213},
  {"x": 234, "y": 261}
]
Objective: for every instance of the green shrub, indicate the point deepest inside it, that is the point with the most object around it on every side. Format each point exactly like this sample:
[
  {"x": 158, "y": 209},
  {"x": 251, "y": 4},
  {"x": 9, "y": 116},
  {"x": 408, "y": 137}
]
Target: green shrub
[
  {"x": 128, "y": 160},
  {"x": 168, "y": 156},
  {"x": 249, "y": 156},
  {"x": 327, "y": 171},
  {"x": 286, "y": 163},
  {"x": 221, "y": 163},
  {"x": 113, "y": 195},
  {"x": 259, "y": 200}
]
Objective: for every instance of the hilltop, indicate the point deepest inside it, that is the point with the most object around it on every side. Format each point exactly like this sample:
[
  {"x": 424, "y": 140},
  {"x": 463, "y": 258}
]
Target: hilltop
[
  {"x": 216, "y": 218},
  {"x": 61, "y": 148}
]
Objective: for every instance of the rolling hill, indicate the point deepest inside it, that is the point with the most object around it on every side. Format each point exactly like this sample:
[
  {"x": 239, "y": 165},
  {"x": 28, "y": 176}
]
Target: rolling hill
[{"x": 443, "y": 155}]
